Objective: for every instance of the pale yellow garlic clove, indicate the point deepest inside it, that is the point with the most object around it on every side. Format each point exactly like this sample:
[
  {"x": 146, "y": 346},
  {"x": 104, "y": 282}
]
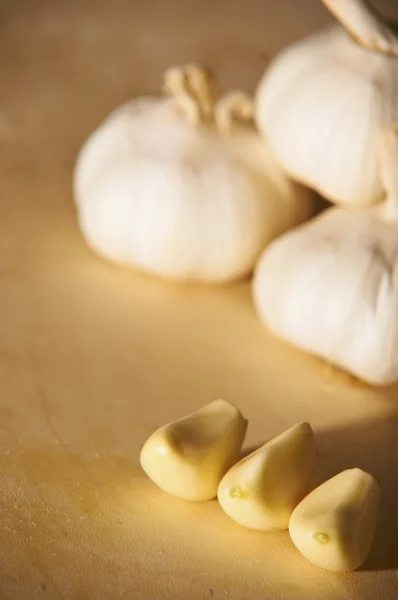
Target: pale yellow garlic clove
[
  {"x": 263, "y": 489},
  {"x": 188, "y": 458},
  {"x": 333, "y": 527}
]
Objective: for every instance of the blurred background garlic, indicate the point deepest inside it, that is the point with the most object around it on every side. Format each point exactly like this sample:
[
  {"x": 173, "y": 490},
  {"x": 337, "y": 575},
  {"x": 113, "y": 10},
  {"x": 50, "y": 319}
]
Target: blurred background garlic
[
  {"x": 331, "y": 286},
  {"x": 182, "y": 187},
  {"x": 324, "y": 100}
]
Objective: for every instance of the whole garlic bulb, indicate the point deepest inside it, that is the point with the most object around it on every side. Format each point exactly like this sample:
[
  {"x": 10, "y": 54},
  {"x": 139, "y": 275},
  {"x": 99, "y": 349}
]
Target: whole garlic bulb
[
  {"x": 324, "y": 100},
  {"x": 331, "y": 286},
  {"x": 184, "y": 188}
]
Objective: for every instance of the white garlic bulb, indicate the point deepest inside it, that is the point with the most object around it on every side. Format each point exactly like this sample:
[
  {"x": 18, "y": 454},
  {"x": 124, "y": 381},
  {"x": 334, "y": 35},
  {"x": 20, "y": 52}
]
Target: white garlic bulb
[
  {"x": 324, "y": 100},
  {"x": 184, "y": 188},
  {"x": 331, "y": 286}
]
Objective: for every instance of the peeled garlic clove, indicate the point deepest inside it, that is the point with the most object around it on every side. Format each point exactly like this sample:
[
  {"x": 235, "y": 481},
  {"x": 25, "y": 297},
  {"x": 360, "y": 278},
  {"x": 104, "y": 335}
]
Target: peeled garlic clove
[
  {"x": 324, "y": 99},
  {"x": 331, "y": 286},
  {"x": 188, "y": 457},
  {"x": 262, "y": 490},
  {"x": 333, "y": 527},
  {"x": 173, "y": 187}
]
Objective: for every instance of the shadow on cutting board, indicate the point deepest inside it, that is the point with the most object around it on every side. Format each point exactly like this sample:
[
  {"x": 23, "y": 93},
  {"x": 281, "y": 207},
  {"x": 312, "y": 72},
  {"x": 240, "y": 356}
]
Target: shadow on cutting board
[{"x": 372, "y": 446}]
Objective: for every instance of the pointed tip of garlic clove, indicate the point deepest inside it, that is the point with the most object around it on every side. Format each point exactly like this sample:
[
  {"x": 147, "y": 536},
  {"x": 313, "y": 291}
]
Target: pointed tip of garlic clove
[
  {"x": 188, "y": 457},
  {"x": 333, "y": 527},
  {"x": 298, "y": 430},
  {"x": 262, "y": 490},
  {"x": 219, "y": 404}
]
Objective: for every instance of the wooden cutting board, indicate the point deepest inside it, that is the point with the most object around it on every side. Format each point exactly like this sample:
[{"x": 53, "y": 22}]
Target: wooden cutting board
[{"x": 94, "y": 358}]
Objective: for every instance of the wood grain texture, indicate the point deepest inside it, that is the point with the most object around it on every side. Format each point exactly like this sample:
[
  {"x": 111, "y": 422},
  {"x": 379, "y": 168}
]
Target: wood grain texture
[{"x": 94, "y": 358}]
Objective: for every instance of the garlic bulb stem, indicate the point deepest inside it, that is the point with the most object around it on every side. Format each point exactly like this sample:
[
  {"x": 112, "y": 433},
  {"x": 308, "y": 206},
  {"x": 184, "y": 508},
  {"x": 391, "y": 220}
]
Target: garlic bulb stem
[
  {"x": 201, "y": 85},
  {"x": 364, "y": 24},
  {"x": 235, "y": 108},
  {"x": 389, "y": 172},
  {"x": 191, "y": 89}
]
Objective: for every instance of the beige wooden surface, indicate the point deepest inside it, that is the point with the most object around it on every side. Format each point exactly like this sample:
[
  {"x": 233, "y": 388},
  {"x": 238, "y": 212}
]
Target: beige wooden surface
[{"x": 93, "y": 358}]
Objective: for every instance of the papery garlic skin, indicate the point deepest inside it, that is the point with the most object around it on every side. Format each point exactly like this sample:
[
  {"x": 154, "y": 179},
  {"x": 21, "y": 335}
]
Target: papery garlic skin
[
  {"x": 331, "y": 288},
  {"x": 262, "y": 489},
  {"x": 334, "y": 526},
  {"x": 189, "y": 457},
  {"x": 180, "y": 200},
  {"x": 321, "y": 106}
]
